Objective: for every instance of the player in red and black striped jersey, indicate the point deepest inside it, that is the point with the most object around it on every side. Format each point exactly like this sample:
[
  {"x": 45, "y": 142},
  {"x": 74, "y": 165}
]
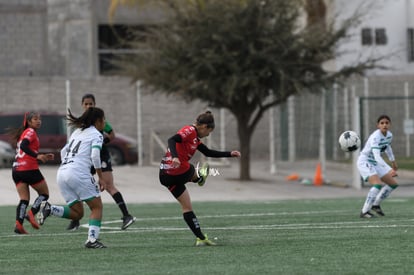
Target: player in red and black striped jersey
[
  {"x": 176, "y": 170},
  {"x": 26, "y": 171}
]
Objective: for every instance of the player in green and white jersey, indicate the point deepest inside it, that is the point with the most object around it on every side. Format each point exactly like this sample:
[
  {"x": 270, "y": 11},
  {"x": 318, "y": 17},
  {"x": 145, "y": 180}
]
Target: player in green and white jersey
[
  {"x": 88, "y": 100},
  {"x": 375, "y": 170},
  {"x": 75, "y": 181}
]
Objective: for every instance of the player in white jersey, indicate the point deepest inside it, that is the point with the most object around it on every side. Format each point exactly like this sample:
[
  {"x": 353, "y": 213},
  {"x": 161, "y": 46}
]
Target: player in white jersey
[
  {"x": 88, "y": 100},
  {"x": 375, "y": 170},
  {"x": 74, "y": 177}
]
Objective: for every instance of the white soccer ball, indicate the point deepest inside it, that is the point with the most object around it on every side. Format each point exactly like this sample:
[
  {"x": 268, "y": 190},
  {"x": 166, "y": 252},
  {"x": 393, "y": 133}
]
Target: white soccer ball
[{"x": 349, "y": 141}]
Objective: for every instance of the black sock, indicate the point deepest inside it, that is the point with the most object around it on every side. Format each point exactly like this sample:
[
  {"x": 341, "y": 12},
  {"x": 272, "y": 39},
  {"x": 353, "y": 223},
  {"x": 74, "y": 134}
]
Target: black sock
[
  {"x": 21, "y": 210},
  {"x": 121, "y": 203},
  {"x": 37, "y": 202},
  {"x": 192, "y": 222}
]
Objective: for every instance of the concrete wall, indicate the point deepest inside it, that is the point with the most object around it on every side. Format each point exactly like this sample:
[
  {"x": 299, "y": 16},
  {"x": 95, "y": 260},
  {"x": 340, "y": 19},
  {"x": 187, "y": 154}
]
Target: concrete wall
[
  {"x": 23, "y": 38},
  {"x": 59, "y": 37},
  {"x": 72, "y": 38}
]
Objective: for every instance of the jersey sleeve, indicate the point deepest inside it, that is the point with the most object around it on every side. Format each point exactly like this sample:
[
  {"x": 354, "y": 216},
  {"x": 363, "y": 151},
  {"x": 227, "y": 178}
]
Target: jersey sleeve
[
  {"x": 213, "y": 153},
  {"x": 376, "y": 151},
  {"x": 171, "y": 144},
  {"x": 390, "y": 153},
  {"x": 96, "y": 158},
  {"x": 97, "y": 141},
  {"x": 24, "y": 146},
  {"x": 96, "y": 150},
  {"x": 108, "y": 127}
]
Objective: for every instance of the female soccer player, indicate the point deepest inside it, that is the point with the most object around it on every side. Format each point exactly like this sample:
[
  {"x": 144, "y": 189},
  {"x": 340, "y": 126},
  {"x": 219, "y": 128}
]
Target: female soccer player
[
  {"x": 88, "y": 100},
  {"x": 176, "y": 171},
  {"x": 374, "y": 169},
  {"x": 26, "y": 171},
  {"x": 74, "y": 177}
]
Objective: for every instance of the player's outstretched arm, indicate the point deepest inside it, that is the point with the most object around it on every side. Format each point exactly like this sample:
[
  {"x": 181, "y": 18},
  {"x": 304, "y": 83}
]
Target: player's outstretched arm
[{"x": 216, "y": 154}]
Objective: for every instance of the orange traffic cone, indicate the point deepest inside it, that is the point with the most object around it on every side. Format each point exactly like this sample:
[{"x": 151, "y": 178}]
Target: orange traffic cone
[
  {"x": 292, "y": 177},
  {"x": 318, "y": 180}
]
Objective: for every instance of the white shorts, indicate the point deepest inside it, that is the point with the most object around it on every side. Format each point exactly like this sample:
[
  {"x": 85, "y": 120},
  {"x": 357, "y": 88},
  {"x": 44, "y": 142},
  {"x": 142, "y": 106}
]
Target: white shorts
[
  {"x": 76, "y": 187},
  {"x": 367, "y": 169}
]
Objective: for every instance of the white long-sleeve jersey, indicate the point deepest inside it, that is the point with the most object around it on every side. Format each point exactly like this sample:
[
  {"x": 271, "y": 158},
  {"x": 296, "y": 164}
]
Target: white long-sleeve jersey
[
  {"x": 376, "y": 144},
  {"x": 82, "y": 150}
]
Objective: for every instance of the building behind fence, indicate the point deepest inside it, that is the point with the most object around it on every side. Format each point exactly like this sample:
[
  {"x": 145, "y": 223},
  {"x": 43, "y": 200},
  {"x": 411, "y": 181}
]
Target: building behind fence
[{"x": 47, "y": 42}]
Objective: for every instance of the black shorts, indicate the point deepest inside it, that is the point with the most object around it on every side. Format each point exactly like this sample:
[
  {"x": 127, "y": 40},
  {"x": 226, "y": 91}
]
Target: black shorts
[
  {"x": 176, "y": 183},
  {"x": 31, "y": 177},
  {"x": 106, "y": 163}
]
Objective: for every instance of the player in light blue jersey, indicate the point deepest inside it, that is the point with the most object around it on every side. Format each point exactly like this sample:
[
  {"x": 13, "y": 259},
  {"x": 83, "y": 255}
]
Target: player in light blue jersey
[{"x": 375, "y": 170}]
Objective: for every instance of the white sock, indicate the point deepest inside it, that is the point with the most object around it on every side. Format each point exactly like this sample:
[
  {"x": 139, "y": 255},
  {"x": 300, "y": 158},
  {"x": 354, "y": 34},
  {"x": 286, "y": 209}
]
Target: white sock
[
  {"x": 372, "y": 194},
  {"x": 57, "y": 210},
  {"x": 93, "y": 232},
  {"x": 383, "y": 194}
]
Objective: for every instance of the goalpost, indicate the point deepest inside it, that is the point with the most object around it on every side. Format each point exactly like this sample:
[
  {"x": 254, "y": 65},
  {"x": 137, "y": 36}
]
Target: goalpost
[
  {"x": 366, "y": 110},
  {"x": 356, "y": 125}
]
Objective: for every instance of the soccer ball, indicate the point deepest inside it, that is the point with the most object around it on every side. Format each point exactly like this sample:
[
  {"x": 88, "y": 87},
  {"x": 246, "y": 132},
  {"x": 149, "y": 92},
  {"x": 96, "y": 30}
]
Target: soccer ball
[{"x": 349, "y": 141}]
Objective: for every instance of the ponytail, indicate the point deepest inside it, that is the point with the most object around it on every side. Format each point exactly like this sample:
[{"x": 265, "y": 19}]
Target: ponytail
[{"x": 87, "y": 119}]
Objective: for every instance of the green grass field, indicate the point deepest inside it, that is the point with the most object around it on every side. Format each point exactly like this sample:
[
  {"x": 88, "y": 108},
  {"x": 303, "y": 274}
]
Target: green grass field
[{"x": 272, "y": 237}]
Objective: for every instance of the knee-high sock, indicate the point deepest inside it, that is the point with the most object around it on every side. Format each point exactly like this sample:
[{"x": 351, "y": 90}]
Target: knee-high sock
[
  {"x": 372, "y": 194},
  {"x": 21, "y": 210},
  {"x": 192, "y": 222},
  {"x": 384, "y": 193},
  {"x": 60, "y": 211},
  {"x": 94, "y": 229},
  {"x": 121, "y": 203}
]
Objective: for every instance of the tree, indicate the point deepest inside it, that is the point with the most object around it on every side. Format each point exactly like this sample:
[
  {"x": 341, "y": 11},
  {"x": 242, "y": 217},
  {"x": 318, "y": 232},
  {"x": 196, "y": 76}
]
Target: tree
[{"x": 242, "y": 55}]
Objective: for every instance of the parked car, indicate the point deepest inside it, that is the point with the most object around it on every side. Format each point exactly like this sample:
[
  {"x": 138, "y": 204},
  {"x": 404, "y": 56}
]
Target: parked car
[
  {"x": 53, "y": 136},
  {"x": 7, "y": 154}
]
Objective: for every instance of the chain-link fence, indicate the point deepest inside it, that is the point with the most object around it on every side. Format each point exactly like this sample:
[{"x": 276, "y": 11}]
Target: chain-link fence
[
  {"x": 304, "y": 127},
  {"x": 333, "y": 111}
]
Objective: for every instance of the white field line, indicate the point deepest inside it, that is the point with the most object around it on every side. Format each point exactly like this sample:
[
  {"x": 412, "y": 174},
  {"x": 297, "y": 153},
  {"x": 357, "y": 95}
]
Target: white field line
[
  {"x": 361, "y": 224},
  {"x": 178, "y": 217}
]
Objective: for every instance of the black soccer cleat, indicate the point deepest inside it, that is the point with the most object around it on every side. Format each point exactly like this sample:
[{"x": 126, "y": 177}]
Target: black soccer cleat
[
  {"x": 94, "y": 244},
  {"x": 366, "y": 215},
  {"x": 127, "y": 221},
  {"x": 73, "y": 225},
  {"x": 377, "y": 209}
]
